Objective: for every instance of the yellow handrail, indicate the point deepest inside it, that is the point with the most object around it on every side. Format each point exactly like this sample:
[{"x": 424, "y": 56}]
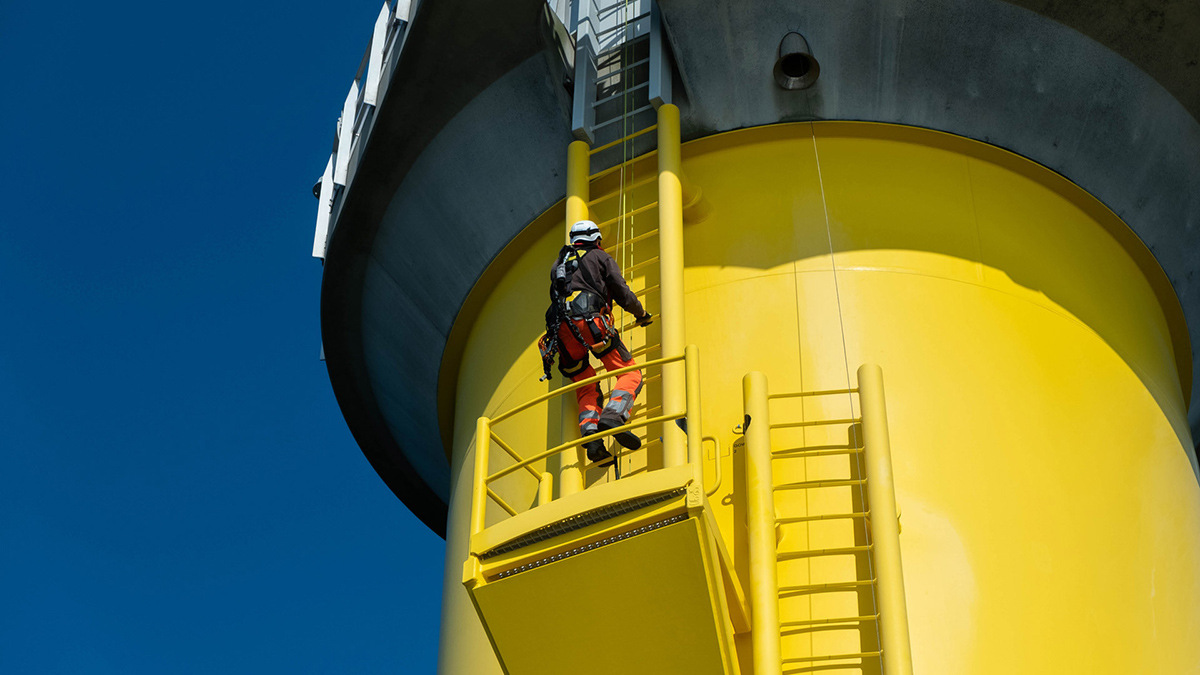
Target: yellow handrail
[
  {"x": 717, "y": 454},
  {"x": 582, "y": 383},
  {"x": 580, "y": 441},
  {"x": 484, "y": 437}
]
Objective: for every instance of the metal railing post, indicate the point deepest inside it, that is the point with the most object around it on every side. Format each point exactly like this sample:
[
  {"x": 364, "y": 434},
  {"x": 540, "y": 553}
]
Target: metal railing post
[
  {"x": 884, "y": 523},
  {"x": 545, "y": 489},
  {"x": 479, "y": 496},
  {"x": 570, "y": 474},
  {"x": 760, "y": 507},
  {"x": 670, "y": 245},
  {"x": 695, "y": 432}
]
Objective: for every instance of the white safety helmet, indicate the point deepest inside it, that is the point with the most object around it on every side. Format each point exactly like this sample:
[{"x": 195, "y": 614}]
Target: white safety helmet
[{"x": 584, "y": 230}]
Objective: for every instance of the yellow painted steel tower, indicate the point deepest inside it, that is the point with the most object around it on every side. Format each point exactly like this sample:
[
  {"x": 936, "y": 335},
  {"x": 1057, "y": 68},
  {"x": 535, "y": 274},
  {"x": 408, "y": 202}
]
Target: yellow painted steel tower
[{"x": 917, "y": 393}]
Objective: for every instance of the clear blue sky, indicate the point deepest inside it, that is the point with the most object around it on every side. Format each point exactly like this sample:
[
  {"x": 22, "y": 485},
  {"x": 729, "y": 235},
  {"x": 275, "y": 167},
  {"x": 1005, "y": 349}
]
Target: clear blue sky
[{"x": 178, "y": 490}]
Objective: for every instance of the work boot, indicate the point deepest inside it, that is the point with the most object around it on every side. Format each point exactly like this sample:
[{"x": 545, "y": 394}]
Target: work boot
[
  {"x": 610, "y": 420},
  {"x": 597, "y": 453}
]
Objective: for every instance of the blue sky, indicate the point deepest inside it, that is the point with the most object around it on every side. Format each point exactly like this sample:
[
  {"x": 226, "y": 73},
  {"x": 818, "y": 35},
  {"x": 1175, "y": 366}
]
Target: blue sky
[{"x": 179, "y": 492}]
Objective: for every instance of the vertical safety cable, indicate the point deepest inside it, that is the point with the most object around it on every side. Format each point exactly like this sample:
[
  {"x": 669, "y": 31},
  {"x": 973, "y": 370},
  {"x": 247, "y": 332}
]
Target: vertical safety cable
[{"x": 858, "y": 456}]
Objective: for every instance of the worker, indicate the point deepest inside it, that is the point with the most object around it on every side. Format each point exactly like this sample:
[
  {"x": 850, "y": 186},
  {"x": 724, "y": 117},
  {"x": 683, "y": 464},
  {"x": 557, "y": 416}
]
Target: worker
[{"x": 584, "y": 283}]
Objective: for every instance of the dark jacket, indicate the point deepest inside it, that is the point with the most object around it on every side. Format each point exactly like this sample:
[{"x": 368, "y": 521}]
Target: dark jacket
[{"x": 598, "y": 274}]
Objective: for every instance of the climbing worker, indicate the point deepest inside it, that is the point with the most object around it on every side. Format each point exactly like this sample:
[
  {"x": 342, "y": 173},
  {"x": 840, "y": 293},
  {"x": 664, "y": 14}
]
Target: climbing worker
[{"x": 584, "y": 282}]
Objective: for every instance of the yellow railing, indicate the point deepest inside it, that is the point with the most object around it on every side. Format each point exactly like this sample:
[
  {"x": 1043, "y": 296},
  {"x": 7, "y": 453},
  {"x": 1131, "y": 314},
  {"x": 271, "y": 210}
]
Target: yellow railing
[
  {"x": 485, "y": 436},
  {"x": 881, "y": 517}
]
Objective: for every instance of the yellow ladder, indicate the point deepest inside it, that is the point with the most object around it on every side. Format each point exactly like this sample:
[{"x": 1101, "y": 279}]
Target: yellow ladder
[
  {"x": 652, "y": 262},
  {"x": 881, "y": 620}
]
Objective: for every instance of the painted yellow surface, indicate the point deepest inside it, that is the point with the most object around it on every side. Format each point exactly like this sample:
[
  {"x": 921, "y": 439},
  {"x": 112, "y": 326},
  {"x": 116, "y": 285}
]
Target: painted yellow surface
[
  {"x": 1049, "y": 501},
  {"x": 653, "y": 621}
]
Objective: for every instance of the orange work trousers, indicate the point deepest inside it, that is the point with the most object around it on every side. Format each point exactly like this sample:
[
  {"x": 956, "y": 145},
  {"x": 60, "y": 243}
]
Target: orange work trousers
[{"x": 573, "y": 362}]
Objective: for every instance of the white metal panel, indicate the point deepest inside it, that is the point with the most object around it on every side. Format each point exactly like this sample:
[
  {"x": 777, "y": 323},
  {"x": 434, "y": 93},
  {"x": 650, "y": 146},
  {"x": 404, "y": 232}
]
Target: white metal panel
[
  {"x": 346, "y": 136},
  {"x": 403, "y": 10},
  {"x": 375, "y": 62},
  {"x": 324, "y": 210}
]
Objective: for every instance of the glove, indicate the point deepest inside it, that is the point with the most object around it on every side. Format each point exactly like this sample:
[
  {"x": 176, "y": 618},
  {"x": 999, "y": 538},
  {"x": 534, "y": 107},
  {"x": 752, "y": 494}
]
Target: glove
[{"x": 645, "y": 320}]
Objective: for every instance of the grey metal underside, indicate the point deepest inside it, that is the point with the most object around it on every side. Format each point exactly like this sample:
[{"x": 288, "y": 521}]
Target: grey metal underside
[{"x": 465, "y": 160}]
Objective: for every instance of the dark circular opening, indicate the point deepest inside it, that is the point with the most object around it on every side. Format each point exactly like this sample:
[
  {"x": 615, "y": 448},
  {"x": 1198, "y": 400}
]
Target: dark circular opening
[{"x": 795, "y": 65}]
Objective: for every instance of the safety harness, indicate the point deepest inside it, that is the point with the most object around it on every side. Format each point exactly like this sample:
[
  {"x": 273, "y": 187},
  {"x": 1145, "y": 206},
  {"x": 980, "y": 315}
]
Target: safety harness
[{"x": 574, "y": 308}]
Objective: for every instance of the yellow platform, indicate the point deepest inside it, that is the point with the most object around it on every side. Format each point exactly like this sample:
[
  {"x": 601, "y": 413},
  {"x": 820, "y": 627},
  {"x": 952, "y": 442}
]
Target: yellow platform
[{"x": 628, "y": 577}]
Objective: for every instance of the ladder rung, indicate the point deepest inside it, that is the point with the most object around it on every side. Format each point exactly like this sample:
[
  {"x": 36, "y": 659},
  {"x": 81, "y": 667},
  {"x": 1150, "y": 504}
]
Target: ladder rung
[
  {"x": 630, "y": 326},
  {"x": 647, "y": 291},
  {"x": 824, "y": 622},
  {"x": 631, "y": 136},
  {"x": 802, "y": 452},
  {"x": 645, "y": 350},
  {"x": 632, "y": 186},
  {"x": 621, "y": 70},
  {"x": 807, "y": 484},
  {"x": 619, "y": 94},
  {"x": 820, "y": 392},
  {"x": 633, "y": 240},
  {"x": 816, "y": 553},
  {"x": 644, "y": 157},
  {"x": 830, "y": 657},
  {"x": 648, "y": 412},
  {"x": 628, "y": 21},
  {"x": 639, "y": 210},
  {"x": 824, "y": 516},
  {"x": 631, "y": 113},
  {"x": 831, "y": 587},
  {"x": 645, "y": 263},
  {"x": 612, "y": 10},
  {"x": 631, "y": 25},
  {"x": 815, "y": 423}
]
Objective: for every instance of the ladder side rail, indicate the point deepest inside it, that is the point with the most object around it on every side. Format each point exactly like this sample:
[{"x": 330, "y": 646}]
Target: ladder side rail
[
  {"x": 660, "y": 67},
  {"x": 692, "y": 425},
  {"x": 760, "y": 506},
  {"x": 884, "y": 524},
  {"x": 570, "y": 467},
  {"x": 582, "y": 112},
  {"x": 670, "y": 256}
]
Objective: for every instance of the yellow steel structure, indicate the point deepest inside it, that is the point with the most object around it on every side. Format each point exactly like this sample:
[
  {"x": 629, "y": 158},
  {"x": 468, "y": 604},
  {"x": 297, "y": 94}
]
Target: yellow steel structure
[
  {"x": 670, "y": 238},
  {"x": 760, "y": 522},
  {"x": 884, "y": 577},
  {"x": 893, "y": 609},
  {"x": 1040, "y": 459},
  {"x": 578, "y": 191}
]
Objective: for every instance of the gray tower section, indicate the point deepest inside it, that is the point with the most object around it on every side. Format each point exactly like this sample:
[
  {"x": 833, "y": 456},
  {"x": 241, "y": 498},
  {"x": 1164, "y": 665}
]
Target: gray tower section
[{"x": 469, "y": 146}]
